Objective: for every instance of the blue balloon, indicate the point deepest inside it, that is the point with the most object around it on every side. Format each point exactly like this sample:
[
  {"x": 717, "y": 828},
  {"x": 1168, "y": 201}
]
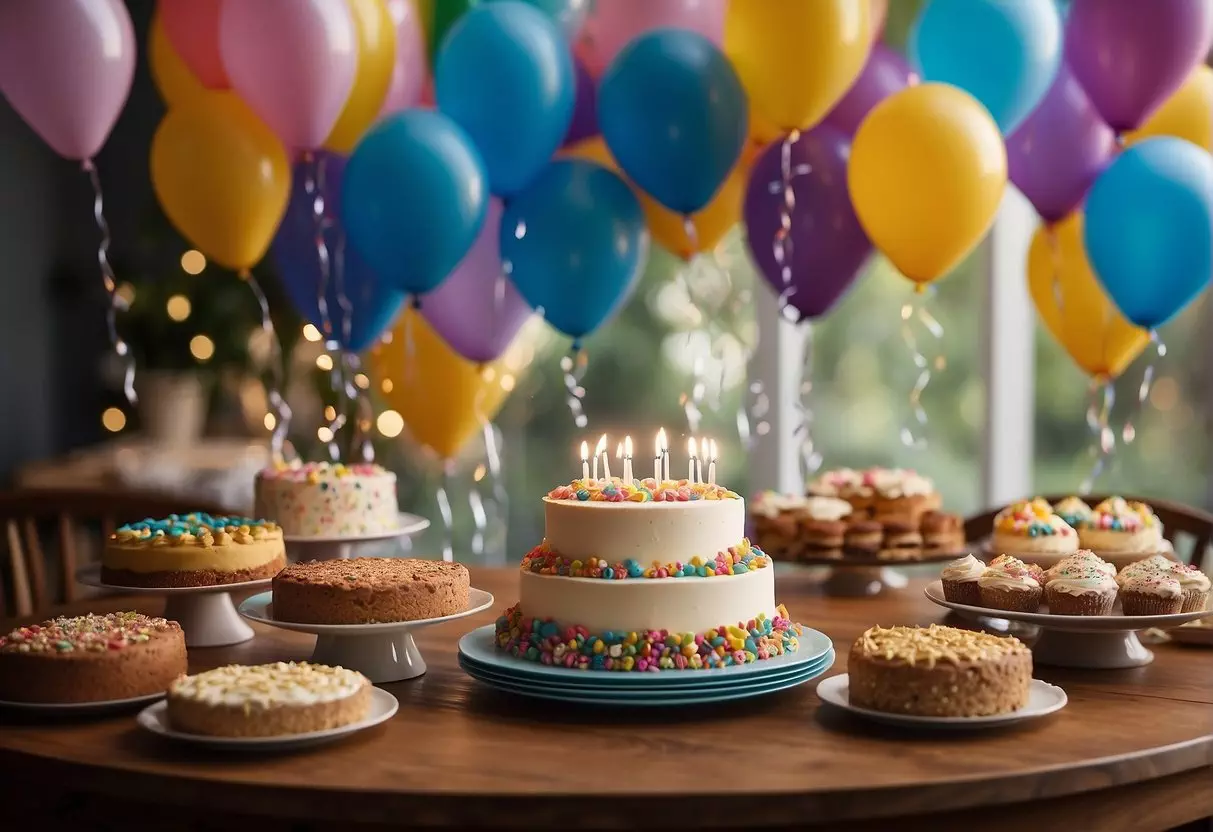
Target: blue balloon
[
  {"x": 414, "y": 199},
  {"x": 505, "y": 75},
  {"x": 373, "y": 305},
  {"x": 674, "y": 115},
  {"x": 1005, "y": 53},
  {"x": 1148, "y": 229},
  {"x": 575, "y": 243}
]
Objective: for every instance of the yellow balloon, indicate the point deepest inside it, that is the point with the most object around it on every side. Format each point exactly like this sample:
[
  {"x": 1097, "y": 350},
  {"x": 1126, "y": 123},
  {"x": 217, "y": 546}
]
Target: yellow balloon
[
  {"x": 443, "y": 398},
  {"x": 222, "y": 177},
  {"x": 376, "y": 59},
  {"x": 711, "y": 223},
  {"x": 797, "y": 59},
  {"x": 761, "y": 134},
  {"x": 1187, "y": 114},
  {"x": 177, "y": 85},
  {"x": 927, "y": 172},
  {"x": 1074, "y": 307}
]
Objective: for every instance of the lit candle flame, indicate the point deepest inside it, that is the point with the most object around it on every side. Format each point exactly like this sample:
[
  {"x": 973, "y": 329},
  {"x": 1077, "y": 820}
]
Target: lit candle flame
[
  {"x": 691, "y": 447},
  {"x": 627, "y": 447},
  {"x": 713, "y": 450},
  {"x": 619, "y": 451},
  {"x": 661, "y": 446},
  {"x": 585, "y": 451},
  {"x": 602, "y": 445}
]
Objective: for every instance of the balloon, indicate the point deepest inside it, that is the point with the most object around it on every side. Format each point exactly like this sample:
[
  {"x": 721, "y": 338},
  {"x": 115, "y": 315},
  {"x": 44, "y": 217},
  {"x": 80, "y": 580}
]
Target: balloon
[
  {"x": 797, "y": 59},
  {"x": 1130, "y": 56},
  {"x": 66, "y": 68},
  {"x": 440, "y": 16},
  {"x": 1074, "y": 307},
  {"x": 827, "y": 244},
  {"x": 569, "y": 15},
  {"x": 1060, "y": 149},
  {"x": 927, "y": 173},
  {"x": 177, "y": 85},
  {"x": 673, "y": 113},
  {"x": 585, "y": 107},
  {"x": 293, "y": 62},
  {"x": 476, "y": 309},
  {"x": 885, "y": 73},
  {"x": 1188, "y": 114},
  {"x": 574, "y": 244},
  {"x": 617, "y": 23},
  {"x": 880, "y": 16},
  {"x": 667, "y": 227},
  {"x": 192, "y": 27},
  {"x": 443, "y": 398},
  {"x": 376, "y": 62},
  {"x": 1004, "y": 52},
  {"x": 1149, "y": 229},
  {"x": 505, "y": 75},
  {"x": 222, "y": 178},
  {"x": 410, "y": 70},
  {"x": 373, "y": 305},
  {"x": 414, "y": 198}
]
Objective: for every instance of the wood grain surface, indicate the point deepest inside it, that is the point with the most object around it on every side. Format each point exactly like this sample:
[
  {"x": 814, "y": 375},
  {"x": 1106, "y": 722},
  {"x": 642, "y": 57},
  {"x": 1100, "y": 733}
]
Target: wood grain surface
[{"x": 459, "y": 755}]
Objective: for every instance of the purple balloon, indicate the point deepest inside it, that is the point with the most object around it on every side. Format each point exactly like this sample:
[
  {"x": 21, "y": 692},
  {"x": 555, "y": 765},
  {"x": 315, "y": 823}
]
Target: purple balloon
[
  {"x": 476, "y": 309},
  {"x": 585, "y": 106},
  {"x": 885, "y": 73},
  {"x": 828, "y": 244},
  {"x": 1131, "y": 55},
  {"x": 1060, "y": 149}
]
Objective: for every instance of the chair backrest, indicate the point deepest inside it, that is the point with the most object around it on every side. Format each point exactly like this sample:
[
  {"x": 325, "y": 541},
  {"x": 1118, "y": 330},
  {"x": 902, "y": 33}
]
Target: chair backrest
[
  {"x": 1178, "y": 521},
  {"x": 24, "y": 512}
]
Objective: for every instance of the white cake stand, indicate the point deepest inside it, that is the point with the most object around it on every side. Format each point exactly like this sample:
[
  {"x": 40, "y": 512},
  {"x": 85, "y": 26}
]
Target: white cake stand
[
  {"x": 341, "y": 547},
  {"x": 1096, "y": 642},
  {"x": 381, "y": 652},
  {"x": 205, "y": 613}
]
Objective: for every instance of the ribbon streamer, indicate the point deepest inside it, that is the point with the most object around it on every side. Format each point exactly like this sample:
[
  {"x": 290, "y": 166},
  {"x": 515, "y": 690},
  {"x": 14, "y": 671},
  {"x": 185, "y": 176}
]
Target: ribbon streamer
[
  {"x": 916, "y": 311},
  {"x": 810, "y": 459},
  {"x": 574, "y": 366},
  {"x": 444, "y": 509},
  {"x": 278, "y": 405},
  {"x": 1129, "y": 432},
  {"x": 116, "y": 303},
  {"x": 1101, "y": 397}
]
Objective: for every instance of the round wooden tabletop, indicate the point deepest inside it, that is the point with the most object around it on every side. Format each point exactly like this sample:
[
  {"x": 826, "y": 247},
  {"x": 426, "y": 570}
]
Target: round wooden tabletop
[{"x": 459, "y": 755}]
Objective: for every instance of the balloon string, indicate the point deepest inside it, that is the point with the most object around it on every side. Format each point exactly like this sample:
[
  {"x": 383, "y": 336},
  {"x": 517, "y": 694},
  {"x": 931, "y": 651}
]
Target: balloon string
[
  {"x": 782, "y": 243},
  {"x": 491, "y": 468},
  {"x": 574, "y": 366},
  {"x": 1129, "y": 432},
  {"x": 116, "y": 303},
  {"x": 810, "y": 459},
  {"x": 410, "y": 344},
  {"x": 912, "y": 429},
  {"x": 444, "y": 509},
  {"x": 341, "y": 377},
  {"x": 313, "y": 186},
  {"x": 278, "y": 405},
  {"x": 1055, "y": 259},
  {"x": 1100, "y": 399}
]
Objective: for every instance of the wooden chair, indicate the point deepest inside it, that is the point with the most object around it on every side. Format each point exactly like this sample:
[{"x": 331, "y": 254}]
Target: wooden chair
[
  {"x": 1180, "y": 523},
  {"x": 23, "y": 512}
]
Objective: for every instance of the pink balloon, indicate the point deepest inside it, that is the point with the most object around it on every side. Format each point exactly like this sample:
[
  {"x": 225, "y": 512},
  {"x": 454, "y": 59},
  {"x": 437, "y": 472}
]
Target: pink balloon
[
  {"x": 293, "y": 63},
  {"x": 409, "y": 74},
  {"x": 476, "y": 309},
  {"x": 66, "y": 67},
  {"x": 617, "y": 22},
  {"x": 192, "y": 27}
]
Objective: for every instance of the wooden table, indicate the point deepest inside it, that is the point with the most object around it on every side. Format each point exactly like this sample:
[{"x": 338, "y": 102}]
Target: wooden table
[{"x": 1133, "y": 750}]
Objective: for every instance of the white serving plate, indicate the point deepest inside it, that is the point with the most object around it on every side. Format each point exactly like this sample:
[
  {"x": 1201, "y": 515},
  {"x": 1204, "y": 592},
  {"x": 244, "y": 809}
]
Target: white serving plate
[
  {"x": 82, "y": 708},
  {"x": 332, "y": 547},
  {"x": 1043, "y": 699}
]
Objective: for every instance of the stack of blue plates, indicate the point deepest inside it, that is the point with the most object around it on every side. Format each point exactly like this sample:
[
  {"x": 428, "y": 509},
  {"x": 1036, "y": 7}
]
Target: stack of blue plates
[{"x": 480, "y": 659}]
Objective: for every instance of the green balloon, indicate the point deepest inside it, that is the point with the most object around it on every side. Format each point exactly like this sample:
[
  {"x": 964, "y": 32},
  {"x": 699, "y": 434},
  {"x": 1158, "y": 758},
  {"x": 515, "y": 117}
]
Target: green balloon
[{"x": 441, "y": 16}]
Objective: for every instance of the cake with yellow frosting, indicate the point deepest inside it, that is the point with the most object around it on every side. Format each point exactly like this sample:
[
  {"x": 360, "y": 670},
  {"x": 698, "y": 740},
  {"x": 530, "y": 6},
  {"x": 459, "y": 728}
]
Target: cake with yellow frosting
[
  {"x": 322, "y": 499},
  {"x": 193, "y": 550}
]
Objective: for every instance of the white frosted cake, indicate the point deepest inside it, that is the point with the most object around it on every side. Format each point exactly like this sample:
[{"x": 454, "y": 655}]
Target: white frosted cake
[
  {"x": 644, "y": 575},
  {"x": 320, "y": 499}
]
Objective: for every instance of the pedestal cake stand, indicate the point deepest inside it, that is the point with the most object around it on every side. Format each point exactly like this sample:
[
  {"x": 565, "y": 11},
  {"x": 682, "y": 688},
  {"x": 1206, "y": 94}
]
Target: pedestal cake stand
[
  {"x": 381, "y": 652},
  {"x": 205, "y": 613},
  {"x": 333, "y": 547},
  {"x": 1096, "y": 642},
  {"x": 854, "y": 577}
]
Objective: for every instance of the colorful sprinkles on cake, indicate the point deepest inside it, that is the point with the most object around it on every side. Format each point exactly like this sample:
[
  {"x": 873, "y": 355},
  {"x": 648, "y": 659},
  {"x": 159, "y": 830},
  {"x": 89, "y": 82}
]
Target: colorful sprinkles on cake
[
  {"x": 737, "y": 560},
  {"x": 315, "y": 472},
  {"x": 650, "y": 651},
  {"x": 616, "y": 490},
  {"x": 91, "y": 633},
  {"x": 195, "y": 528},
  {"x": 1118, "y": 515},
  {"x": 1031, "y": 518}
]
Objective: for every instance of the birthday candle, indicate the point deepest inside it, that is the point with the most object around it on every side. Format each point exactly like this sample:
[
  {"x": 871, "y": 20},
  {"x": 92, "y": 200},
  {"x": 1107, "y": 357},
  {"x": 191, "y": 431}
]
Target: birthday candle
[
  {"x": 691, "y": 463},
  {"x": 627, "y": 459},
  {"x": 585, "y": 461}
]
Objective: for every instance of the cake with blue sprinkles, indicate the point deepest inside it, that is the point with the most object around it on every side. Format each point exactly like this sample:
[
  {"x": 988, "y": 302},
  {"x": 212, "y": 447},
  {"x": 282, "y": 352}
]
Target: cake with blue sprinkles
[
  {"x": 193, "y": 550},
  {"x": 645, "y": 575}
]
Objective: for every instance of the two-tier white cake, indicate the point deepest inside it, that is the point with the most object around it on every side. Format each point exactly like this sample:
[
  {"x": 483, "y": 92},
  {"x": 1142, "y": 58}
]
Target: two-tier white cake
[{"x": 645, "y": 575}]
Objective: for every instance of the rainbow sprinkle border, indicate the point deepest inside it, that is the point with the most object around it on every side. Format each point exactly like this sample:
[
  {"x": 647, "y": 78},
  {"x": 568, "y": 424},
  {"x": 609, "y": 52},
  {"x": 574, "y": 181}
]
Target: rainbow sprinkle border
[
  {"x": 652, "y": 651},
  {"x": 615, "y": 490},
  {"x": 737, "y": 560}
]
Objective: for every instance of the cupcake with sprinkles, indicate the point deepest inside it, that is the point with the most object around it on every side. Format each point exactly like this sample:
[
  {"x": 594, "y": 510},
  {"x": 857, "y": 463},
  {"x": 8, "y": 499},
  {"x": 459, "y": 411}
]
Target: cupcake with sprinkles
[
  {"x": 1081, "y": 590},
  {"x": 1151, "y": 593},
  {"x": 1118, "y": 526},
  {"x": 1008, "y": 584},
  {"x": 1194, "y": 584},
  {"x": 1029, "y": 527},
  {"x": 1073, "y": 510},
  {"x": 1080, "y": 561}
]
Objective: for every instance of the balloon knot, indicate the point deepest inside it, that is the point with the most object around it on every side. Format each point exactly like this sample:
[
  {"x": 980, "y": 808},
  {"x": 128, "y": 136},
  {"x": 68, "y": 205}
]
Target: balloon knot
[
  {"x": 920, "y": 288},
  {"x": 576, "y": 347},
  {"x": 415, "y": 302}
]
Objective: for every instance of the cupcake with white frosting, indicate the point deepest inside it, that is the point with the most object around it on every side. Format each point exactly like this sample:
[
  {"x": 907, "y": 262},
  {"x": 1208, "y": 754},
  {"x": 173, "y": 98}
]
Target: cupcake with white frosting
[
  {"x": 1150, "y": 565},
  {"x": 1081, "y": 590},
  {"x": 959, "y": 579},
  {"x": 1029, "y": 527},
  {"x": 1151, "y": 594},
  {"x": 1009, "y": 585},
  {"x": 1194, "y": 584},
  {"x": 1080, "y": 561},
  {"x": 1117, "y": 525}
]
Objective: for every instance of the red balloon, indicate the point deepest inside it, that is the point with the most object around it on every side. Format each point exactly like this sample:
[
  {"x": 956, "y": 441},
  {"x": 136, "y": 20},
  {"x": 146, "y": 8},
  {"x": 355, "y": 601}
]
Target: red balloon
[{"x": 192, "y": 27}]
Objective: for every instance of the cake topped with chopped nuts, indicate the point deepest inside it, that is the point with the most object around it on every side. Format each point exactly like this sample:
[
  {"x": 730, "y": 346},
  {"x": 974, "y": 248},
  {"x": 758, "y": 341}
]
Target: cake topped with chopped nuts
[
  {"x": 369, "y": 590},
  {"x": 268, "y": 685}
]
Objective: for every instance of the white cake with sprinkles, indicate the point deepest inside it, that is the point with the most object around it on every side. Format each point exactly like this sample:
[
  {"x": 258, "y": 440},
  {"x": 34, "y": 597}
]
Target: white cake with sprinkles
[
  {"x": 321, "y": 499},
  {"x": 645, "y": 575}
]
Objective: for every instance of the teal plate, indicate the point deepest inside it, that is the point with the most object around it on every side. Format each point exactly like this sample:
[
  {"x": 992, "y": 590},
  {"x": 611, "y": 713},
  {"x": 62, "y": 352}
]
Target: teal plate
[
  {"x": 653, "y": 698},
  {"x": 595, "y": 685},
  {"x": 480, "y": 648}
]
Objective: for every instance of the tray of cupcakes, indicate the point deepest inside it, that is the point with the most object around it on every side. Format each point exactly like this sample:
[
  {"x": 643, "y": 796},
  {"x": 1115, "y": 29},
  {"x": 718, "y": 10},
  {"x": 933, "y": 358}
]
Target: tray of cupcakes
[{"x": 875, "y": 517}]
